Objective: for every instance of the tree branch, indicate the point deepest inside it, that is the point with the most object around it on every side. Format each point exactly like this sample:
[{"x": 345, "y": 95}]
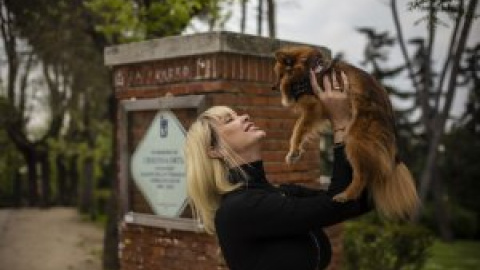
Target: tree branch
[
  {"x": 408, "y": 63},
  {"x": 23, "y": 86},
  {"x": 401, "y": 41},
  {"x": 449, "y": 57},
  {"x": 9, "y": 41}
]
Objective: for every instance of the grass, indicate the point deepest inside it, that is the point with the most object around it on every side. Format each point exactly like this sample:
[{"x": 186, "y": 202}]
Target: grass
[{"x": 458, "y": 255}]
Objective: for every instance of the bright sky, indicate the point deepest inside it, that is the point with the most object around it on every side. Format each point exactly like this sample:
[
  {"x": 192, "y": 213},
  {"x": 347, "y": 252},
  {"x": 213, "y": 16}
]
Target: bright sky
[{"x": 333, "y": 23}]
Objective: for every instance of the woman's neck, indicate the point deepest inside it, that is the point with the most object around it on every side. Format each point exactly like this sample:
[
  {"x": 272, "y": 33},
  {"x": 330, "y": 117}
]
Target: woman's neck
[{"x": 250, "y": 156}]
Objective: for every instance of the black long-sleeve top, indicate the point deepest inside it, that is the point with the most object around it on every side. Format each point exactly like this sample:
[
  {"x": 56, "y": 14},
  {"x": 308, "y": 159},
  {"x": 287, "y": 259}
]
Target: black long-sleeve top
[{"x": 262, "y": 227}]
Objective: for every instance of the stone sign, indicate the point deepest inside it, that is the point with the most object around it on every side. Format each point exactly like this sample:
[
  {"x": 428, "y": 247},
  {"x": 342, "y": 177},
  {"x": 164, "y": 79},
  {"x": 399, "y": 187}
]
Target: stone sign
[{"x": 158, "y": 168}]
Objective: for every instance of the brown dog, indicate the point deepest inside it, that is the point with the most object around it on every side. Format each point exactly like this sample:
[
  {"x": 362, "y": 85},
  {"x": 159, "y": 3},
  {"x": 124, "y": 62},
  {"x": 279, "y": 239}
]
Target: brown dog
[{"x": 370, "y": 141}]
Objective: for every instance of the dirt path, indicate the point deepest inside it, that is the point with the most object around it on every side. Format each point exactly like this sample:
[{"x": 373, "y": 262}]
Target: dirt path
[{"x": 52, "y": 239}]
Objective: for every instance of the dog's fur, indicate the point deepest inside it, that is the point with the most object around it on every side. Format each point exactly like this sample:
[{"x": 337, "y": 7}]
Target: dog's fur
[{"x": 370, "y": 142}]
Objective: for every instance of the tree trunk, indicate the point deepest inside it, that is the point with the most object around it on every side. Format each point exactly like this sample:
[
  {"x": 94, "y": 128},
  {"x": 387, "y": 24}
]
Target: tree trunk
[
  {"x": 243, "y": 18},
  {"x": 30, "y": 157},
  {"x": 442, "y": 214},
  {"x": 110, "y": 241},
  {"x": 17, "y": 189},
  {"x": 45, "y": 179},
  {"x": 272, "y": 21},
  {"x": 260, "y": 18},
  {"x": 86, "y": 199},
  {"x": 73, "y": 180},
  {"x": 62, "y": 191}
]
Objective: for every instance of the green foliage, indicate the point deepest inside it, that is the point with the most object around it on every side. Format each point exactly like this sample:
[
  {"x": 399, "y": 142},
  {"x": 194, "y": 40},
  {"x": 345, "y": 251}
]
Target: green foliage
[
  {"x": 121, "y": 21},
  {"x": 458, "y": 255},
  {"x": 370, "y": 244},
  {"x": 118, "y": 20},
  {"x": 10, "y": 162},
  {"x": 464, "y": 222},
  {"x": 100, "y": 154},
  {"x": 459, "y": 165},
  {"x": 169, "y": 16}
]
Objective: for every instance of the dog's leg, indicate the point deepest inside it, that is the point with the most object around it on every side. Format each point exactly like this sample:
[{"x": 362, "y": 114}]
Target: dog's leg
[
  {"x": 295, "y": 152},
  {"x": 352, "y": 191},
  {"x": 359, "y": 152},
  {"x": 302, "y": 128}
]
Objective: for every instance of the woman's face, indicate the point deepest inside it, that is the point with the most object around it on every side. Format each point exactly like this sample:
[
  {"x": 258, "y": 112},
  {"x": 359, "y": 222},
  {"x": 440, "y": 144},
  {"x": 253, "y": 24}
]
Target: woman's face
[{"x": 239, "y": 133}]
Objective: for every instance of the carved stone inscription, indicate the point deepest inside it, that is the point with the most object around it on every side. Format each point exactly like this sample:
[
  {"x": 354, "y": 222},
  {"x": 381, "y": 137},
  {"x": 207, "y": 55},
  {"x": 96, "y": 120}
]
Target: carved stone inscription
[{"x": 165, "y": 72}]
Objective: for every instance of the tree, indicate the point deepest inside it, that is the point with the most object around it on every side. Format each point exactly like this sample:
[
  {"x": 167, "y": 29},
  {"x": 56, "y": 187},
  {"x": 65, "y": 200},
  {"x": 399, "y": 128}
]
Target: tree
[
  {"x": 462, "y": 147},
  {"x": 431, "y": 95},
  {"x": 19, "y": 65},
  {"x": 268, "y": 9},
  {"x": 422, "y": 125},
  {"x": 121, "y": 21},
  {"x": 272, "y": 21},
  {"x": 243, "y": 15}
]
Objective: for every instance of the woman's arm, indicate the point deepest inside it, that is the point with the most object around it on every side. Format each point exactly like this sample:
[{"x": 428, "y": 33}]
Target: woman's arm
[
  {"x": 263, "y": 213},
  {"x": 341, "y": 178}
]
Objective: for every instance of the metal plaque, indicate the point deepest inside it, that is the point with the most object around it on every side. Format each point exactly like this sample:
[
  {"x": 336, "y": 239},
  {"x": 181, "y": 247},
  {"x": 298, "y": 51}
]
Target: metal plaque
[{"x": 157, "y": 165}]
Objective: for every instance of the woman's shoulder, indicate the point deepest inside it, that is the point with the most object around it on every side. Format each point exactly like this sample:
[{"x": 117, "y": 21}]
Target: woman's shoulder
[
  {"x": 239, "y": 205},
  {"x": 238, "y": 196},
  {"x": 244, "y": 198}
]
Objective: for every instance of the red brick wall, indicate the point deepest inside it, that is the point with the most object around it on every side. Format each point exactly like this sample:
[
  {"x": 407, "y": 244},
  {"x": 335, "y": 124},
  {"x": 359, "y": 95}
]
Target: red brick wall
[{"x": 242, "y": 82}]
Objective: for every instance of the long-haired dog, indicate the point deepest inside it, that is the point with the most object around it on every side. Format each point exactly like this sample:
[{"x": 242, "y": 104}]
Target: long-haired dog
[{"x": 370, "y": 141}]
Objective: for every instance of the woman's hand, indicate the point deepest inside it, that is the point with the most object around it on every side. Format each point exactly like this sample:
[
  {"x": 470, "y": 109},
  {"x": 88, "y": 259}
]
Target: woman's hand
[{"x": 335, "y": 100}]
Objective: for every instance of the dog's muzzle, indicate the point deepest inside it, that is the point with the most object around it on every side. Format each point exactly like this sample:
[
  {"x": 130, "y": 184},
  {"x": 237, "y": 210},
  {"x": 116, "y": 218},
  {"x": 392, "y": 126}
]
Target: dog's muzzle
[{"x": 301, "y": 87}]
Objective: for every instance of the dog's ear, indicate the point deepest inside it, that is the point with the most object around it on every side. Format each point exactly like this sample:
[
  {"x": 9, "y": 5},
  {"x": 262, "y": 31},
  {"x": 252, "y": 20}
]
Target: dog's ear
[
  {"x": 316, "y": 59},
  {"x": 280, "y": 56},
  {"x": 285, "y": 59}
]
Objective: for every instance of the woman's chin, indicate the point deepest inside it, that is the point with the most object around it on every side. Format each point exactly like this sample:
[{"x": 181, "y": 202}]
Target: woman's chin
[{"x": 261, "y": 133}]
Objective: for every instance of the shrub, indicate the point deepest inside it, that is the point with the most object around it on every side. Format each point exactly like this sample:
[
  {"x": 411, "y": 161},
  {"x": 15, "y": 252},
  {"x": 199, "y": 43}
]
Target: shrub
[
  {"x": 463, "y": 221},
  {"x": 370, "y": 243}
]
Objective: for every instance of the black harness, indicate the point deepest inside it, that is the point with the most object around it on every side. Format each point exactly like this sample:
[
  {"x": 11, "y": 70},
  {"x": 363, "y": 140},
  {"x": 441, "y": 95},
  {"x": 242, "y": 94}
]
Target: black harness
[{"x": 303, "y": 86}]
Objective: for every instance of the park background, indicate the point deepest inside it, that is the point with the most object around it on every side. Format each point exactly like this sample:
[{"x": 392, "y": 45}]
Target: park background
[{"x": 56, "y": 104}]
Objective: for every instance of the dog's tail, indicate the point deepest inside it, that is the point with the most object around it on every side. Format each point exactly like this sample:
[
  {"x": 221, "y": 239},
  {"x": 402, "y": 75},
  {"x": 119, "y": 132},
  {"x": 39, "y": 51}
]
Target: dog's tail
[{"x": 397, "y": 196}]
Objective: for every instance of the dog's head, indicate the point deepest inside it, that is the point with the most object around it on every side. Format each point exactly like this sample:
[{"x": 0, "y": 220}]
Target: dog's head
[{"x": 292, "y": 68}]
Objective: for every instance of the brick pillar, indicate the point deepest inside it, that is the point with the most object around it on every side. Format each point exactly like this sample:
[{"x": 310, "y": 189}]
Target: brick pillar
[{"x": 229, "y": 69}]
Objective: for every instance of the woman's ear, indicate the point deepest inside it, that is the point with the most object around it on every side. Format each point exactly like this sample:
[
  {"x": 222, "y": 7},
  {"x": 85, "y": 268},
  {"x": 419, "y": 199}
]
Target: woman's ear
[{"x": 213, "y": 153}]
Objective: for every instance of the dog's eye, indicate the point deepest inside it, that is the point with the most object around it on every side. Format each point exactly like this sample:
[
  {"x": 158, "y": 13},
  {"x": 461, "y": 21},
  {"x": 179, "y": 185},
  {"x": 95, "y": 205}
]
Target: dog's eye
[{"x": 288, "y": 61}]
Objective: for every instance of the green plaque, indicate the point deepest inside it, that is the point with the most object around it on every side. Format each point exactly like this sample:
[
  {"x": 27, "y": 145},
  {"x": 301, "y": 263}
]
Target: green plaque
[{"x": 158, "y": 168}]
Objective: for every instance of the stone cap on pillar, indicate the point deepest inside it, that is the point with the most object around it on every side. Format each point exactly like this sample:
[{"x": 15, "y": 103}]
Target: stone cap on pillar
[{"x": 195, "y": 44}]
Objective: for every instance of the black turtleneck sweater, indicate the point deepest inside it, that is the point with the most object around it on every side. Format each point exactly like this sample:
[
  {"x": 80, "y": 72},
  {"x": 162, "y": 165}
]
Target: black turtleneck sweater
[{"x": 263, "y": 227}]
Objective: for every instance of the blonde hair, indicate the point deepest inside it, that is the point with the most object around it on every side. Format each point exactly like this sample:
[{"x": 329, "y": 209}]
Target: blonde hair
[{"x": 207, "y": 177}]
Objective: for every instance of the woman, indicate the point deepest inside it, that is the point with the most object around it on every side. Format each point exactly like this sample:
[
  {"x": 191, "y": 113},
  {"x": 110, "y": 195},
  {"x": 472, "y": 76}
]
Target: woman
[{"x": 258, "y": 225}]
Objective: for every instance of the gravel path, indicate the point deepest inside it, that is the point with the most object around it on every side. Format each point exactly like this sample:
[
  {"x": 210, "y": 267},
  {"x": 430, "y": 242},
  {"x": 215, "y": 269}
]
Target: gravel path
[{"x": 48, "y": 239}]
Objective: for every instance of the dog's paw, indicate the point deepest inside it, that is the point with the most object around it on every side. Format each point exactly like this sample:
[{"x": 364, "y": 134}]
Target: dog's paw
[
  {"x": 293, "y": 156},
  {"x": 341, "y": 197}
]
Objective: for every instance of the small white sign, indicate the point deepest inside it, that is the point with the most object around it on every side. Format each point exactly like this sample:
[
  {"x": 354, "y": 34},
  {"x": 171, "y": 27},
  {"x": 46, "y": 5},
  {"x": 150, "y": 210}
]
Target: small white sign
[{"x": 158, "y": 168}]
